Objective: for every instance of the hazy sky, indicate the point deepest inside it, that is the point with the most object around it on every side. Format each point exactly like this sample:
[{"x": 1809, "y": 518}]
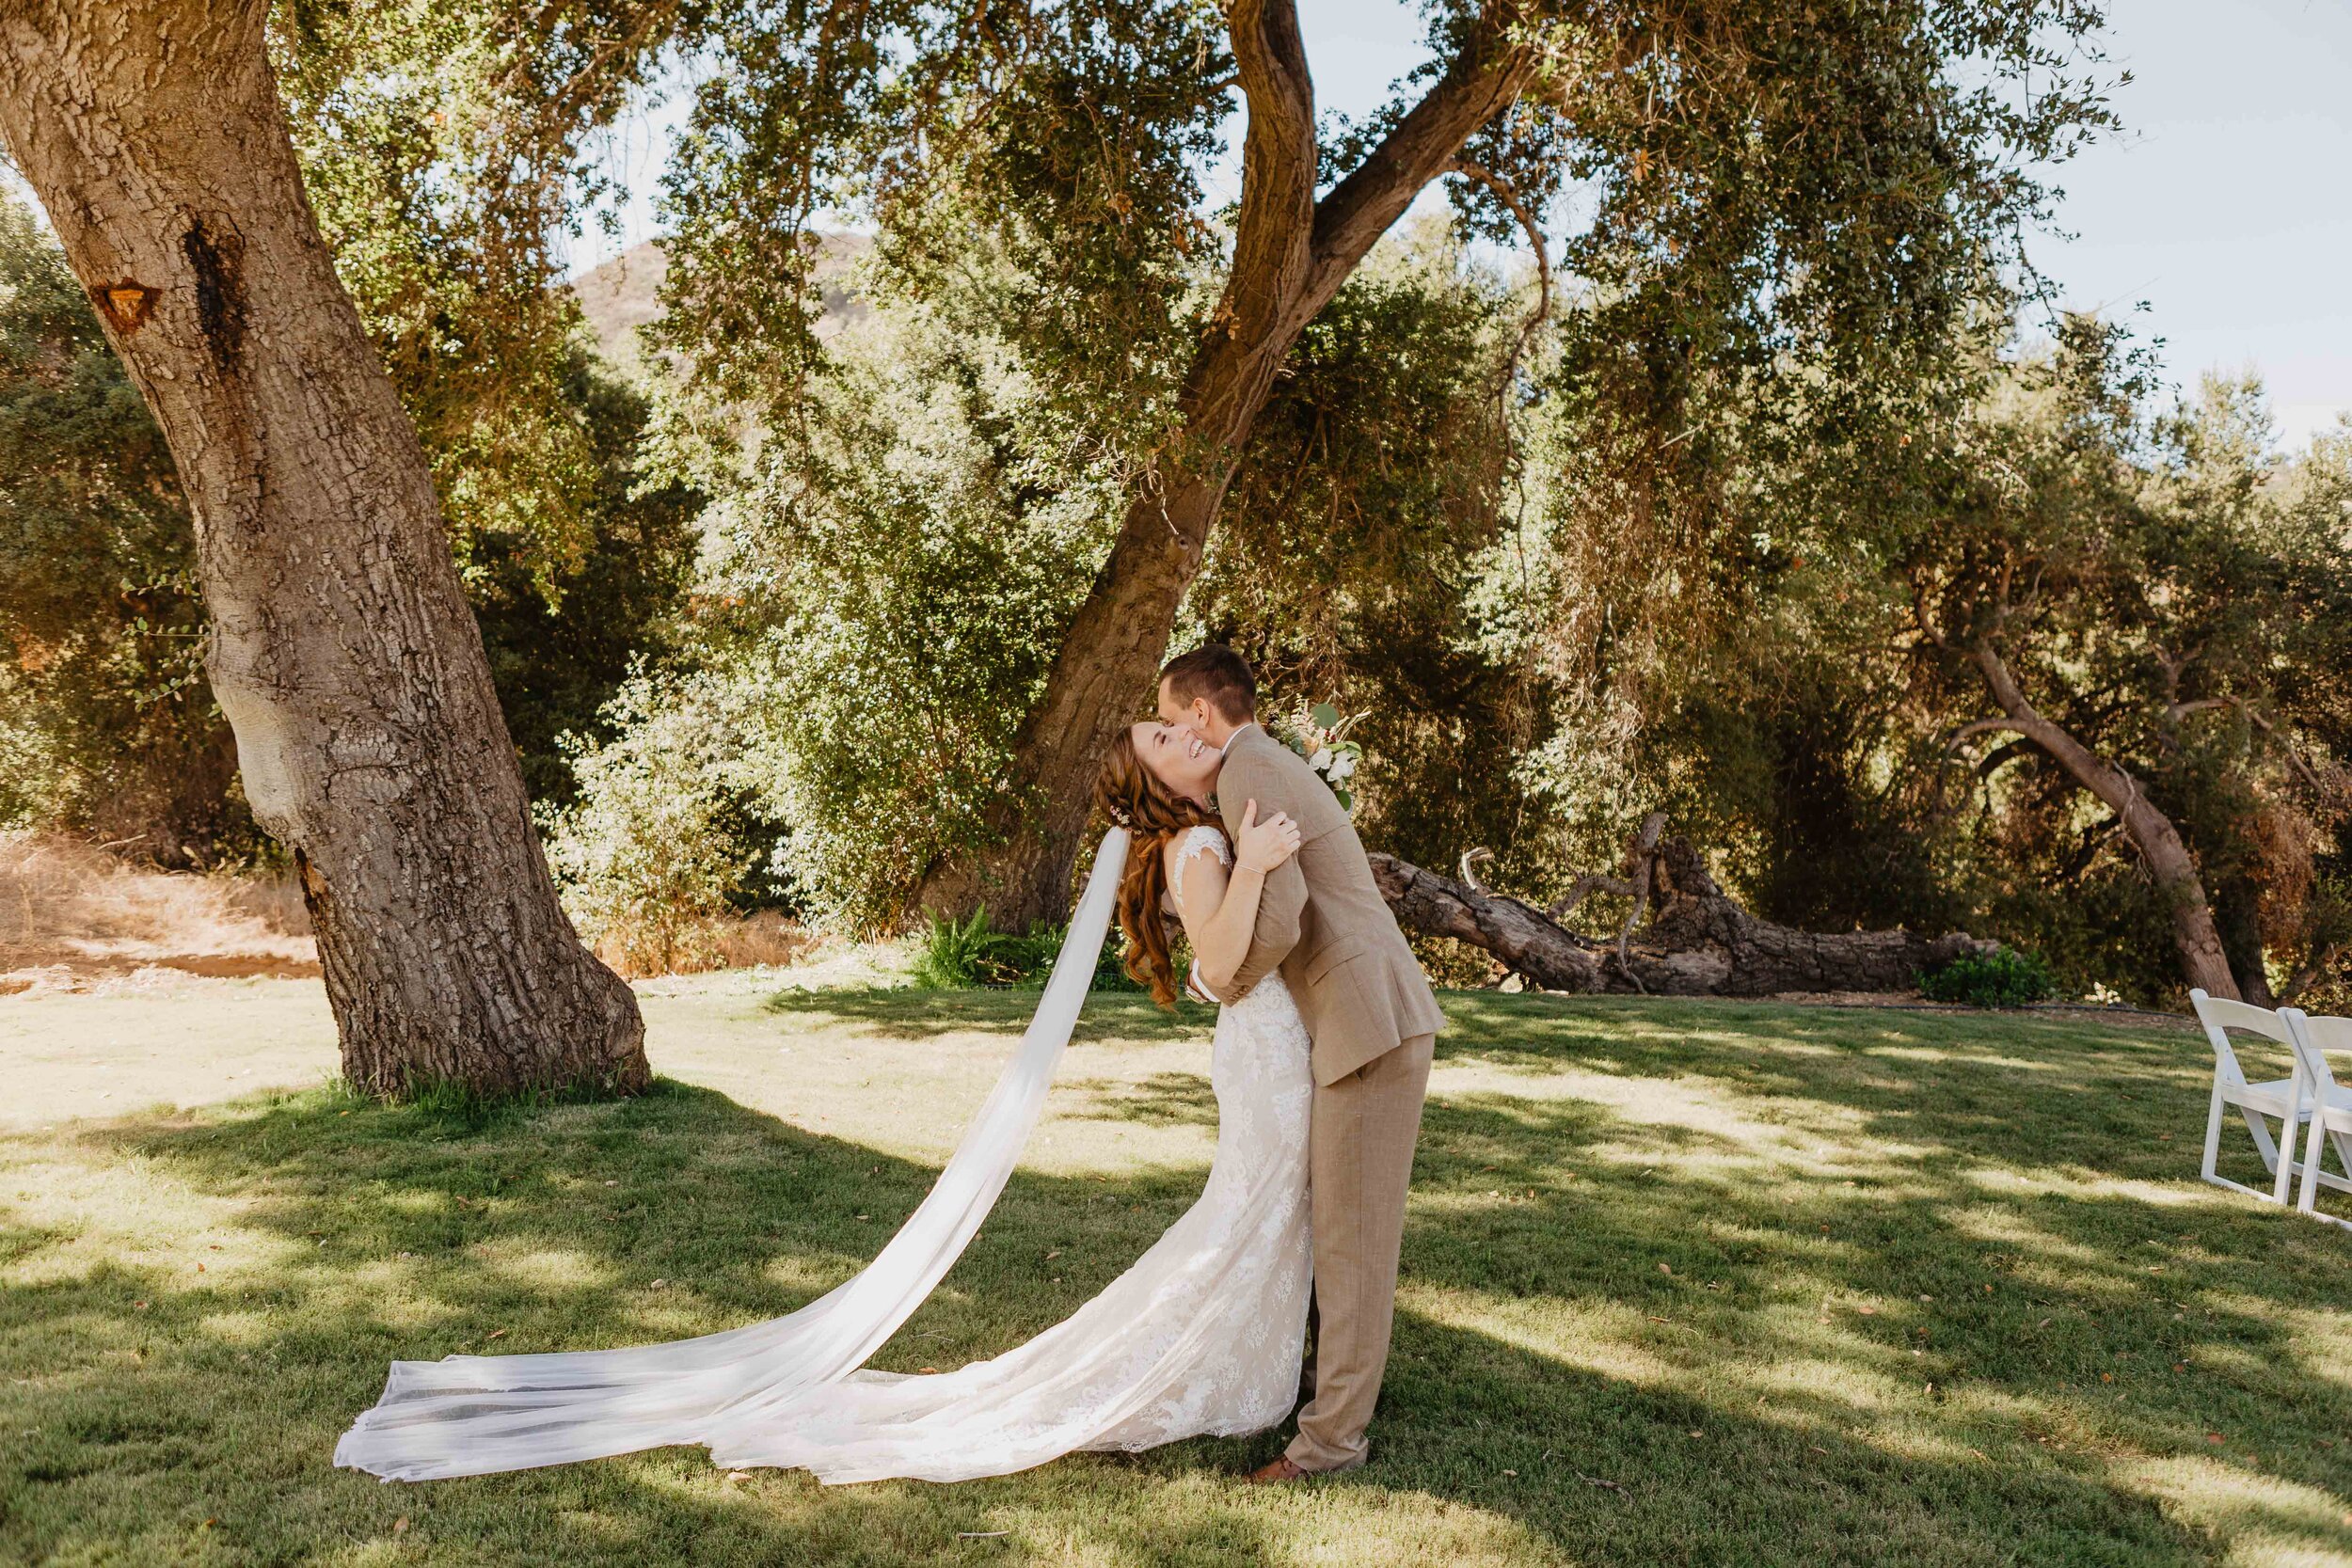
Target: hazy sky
[{"x": 2225, "y": 205}]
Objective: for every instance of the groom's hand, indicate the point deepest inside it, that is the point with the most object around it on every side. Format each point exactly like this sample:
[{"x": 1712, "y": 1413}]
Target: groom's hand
[{"x": 1260, "y": 847}]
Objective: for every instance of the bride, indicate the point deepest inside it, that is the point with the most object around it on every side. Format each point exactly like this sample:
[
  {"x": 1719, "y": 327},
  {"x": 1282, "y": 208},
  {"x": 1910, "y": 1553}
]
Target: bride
[{"x": 1201, "y": 1336}]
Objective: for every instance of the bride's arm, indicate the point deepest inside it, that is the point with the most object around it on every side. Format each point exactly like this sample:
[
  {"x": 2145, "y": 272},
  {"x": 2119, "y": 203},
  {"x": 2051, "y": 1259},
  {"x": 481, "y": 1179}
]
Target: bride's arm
[{"x": 1219, "y": 908}]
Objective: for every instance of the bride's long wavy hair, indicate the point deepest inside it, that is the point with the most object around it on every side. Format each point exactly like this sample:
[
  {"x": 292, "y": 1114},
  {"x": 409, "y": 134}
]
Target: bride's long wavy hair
[{"x": 1127, "y": 793}]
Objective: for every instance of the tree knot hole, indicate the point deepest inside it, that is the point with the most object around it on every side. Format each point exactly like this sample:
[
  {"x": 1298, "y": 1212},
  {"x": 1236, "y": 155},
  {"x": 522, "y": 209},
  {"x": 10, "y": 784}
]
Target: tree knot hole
[{"x": 125, "y": 305}]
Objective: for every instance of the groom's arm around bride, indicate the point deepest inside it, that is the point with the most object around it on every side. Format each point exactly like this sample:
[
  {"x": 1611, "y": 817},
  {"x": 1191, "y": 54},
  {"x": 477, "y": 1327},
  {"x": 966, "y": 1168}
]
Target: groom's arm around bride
[{"x": 1321, "y": 920}]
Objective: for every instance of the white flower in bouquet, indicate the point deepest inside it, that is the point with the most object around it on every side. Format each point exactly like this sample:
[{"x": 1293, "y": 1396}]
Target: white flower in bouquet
[{"x": 1319, "y": 735}]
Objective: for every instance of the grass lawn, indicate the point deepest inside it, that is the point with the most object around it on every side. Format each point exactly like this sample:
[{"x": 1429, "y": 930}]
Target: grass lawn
[{"x": 1684, "y": 1283}]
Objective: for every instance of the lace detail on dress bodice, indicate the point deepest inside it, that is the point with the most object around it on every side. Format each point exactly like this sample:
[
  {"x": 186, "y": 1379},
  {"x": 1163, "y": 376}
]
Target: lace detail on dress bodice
[{"x": 1192, "y": 843}]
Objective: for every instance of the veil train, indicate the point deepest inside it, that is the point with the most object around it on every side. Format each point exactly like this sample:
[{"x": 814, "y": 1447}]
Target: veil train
[{"x": 476, "y": 1415}]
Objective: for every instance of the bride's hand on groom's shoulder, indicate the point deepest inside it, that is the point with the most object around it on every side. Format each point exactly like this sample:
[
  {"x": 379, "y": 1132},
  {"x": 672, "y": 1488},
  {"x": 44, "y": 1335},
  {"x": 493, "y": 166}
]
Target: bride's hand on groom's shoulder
[{"x": 1260, "y": 847}]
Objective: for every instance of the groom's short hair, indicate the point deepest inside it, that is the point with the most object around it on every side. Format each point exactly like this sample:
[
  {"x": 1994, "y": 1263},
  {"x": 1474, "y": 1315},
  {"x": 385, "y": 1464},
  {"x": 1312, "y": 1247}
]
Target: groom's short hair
[{"x": 1217, "y": 673}]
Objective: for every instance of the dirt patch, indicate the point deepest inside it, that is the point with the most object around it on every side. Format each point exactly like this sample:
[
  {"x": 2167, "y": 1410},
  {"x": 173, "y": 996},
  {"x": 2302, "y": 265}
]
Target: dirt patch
[{"x": 73, "y": 918}]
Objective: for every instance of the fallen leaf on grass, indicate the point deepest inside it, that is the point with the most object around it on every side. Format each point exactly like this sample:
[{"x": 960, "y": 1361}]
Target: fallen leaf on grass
[
  {"x": 400, "y": 1526},
  {"x": 980, "y": 1534},
  {"x": 1867, "y": 1311},
  {"x": 1605, "y": 1485},
  {"x": 497, "y": 1334}
]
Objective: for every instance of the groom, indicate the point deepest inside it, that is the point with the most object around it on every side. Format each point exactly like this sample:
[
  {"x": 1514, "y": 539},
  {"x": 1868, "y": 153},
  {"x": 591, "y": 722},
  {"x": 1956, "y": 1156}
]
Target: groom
[{"x": 1372, "y": 1021}]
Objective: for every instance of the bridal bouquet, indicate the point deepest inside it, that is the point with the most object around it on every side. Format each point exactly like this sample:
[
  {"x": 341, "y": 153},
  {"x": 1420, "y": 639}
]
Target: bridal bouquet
[{"x": 1320, "y": 734}]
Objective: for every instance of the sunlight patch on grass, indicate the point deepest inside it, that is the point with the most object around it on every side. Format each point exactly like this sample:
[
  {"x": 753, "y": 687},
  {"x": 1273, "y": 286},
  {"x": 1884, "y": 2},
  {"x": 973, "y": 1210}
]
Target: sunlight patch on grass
[
  {"x": 2076, "y": 1181},
  {"x": 1598, "y": 1336},
  {"x": 1967, "y": 1058},
  {"x": 2259, "y": 1521}
]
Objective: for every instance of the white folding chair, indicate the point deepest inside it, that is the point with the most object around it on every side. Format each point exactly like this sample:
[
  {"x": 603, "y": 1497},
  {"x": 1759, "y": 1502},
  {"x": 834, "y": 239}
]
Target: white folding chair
[
  {"x": 2331, "y": 1106},
  {"x": 2282, "y": 1098}
]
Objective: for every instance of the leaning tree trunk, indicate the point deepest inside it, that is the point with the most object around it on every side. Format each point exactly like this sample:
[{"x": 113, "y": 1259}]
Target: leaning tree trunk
[
  {"x": 343, "y": 650},
  {"x": 1291, "y": 255},
  {"x": 2204, "y": 961}
]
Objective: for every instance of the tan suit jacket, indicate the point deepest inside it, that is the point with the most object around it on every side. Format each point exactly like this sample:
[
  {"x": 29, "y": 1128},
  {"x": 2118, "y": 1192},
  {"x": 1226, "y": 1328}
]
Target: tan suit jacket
[{"x": 1320, "y": 919}]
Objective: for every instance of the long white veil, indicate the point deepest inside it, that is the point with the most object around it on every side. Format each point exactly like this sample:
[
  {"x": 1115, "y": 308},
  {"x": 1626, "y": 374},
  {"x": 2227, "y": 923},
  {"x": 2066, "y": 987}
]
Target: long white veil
[{"x": 474, "y": 1414}]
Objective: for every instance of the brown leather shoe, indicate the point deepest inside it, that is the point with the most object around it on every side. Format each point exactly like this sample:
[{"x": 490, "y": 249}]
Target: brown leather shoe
[{"x": 1280, "y": 1471}]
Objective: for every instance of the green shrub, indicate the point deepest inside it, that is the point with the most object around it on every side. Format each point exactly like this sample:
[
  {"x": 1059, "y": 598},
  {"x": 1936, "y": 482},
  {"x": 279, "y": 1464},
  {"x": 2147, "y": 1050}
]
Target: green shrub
[
  {"x": 645, "y": 855},
  {"x": 2004, "y": 977},
  {"x": 967, "y": 955}
]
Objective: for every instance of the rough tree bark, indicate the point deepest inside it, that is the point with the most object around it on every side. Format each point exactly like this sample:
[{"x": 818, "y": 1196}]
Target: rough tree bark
[
  {"x": 2203, "y": 960},
  {"x": 1698, "y": 940},
  {"x": 1291, "y": 254},
  {"x": 1525, "y": 940},
  {"x": 343, "y": 650}
]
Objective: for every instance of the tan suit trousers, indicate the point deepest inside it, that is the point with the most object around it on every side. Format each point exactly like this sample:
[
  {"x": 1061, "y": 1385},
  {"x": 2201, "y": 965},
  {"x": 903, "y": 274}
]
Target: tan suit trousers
[{"x": 1359, "y": 1159}]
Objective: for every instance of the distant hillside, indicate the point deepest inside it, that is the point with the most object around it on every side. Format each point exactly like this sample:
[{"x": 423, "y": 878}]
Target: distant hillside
[{"x": 621, "y": 295}]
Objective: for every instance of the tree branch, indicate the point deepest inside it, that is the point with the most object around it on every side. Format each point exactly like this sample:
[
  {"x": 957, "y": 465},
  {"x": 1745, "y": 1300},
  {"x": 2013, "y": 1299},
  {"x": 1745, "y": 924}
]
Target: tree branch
[
  {"x": 1586, "y": 885},
  {"x": 1271, "y": 250},
  {"x": 1483, "y": 81},
  {"x": 1504, "y": 193},
  {"x": 1641, "y": 858}
]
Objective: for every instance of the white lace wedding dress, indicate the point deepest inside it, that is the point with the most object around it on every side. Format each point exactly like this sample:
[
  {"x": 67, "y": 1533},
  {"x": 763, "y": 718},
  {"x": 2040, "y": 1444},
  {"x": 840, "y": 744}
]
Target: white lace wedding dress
[{"x": 1202, "y": 1336}]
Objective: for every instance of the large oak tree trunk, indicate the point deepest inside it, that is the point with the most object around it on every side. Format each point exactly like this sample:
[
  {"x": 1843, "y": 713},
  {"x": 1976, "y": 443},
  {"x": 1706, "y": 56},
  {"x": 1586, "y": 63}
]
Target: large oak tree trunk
[
  {"x": 343, "y": 649},
  {"x": 1291, "y": 255},
  {"x": 2204, "y": 961}
]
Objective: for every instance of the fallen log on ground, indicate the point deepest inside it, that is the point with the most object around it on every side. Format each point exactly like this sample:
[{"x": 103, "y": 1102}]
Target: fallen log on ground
[
  {"x": 1698, "y": 942},
  {"x": 1526, "y": 941}
]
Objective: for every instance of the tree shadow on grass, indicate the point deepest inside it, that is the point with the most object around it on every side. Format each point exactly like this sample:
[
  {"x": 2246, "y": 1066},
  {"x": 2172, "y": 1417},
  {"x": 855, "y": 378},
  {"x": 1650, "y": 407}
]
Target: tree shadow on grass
[
  {"x": 155, "y": 1398},
  {"x": 1163, "y": 1100},
  {"x": 1538, "y": 1334},
  {"x": 1873, "y": 1250},
  {"x": 901, "y": 1012}
]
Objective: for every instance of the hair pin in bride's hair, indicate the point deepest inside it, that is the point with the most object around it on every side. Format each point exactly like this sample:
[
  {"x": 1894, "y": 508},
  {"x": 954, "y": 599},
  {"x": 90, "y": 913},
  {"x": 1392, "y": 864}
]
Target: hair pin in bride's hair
[{"x": 1121, "y": 815}]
